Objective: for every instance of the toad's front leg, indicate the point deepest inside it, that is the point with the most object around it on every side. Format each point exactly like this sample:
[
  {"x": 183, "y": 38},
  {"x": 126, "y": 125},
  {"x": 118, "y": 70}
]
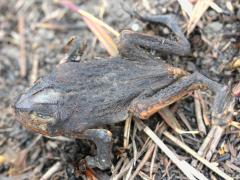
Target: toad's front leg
[
  {"x": 103, "y": 140},
  {"x": 150, "y": 102}
]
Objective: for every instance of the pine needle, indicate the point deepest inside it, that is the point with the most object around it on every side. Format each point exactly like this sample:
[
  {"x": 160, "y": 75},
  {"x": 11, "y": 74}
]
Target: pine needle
[{"x": 198, "y": 11}]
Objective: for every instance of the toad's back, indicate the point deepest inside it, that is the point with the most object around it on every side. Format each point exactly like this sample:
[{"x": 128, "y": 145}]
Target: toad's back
[{"x": 100, "y": 91}]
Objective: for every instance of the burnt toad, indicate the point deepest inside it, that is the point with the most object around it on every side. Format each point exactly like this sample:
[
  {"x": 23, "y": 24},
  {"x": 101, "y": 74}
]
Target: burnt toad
[{"x": 78, "y": 97}]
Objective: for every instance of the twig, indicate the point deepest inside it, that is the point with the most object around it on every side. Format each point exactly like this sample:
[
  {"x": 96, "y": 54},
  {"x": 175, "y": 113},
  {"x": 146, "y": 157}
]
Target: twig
[
  {"x": 204, "y": 110},
  {"x": 204, "y": 147},
  {"x": 198, "y": 10},
  {"x": 127, "y": 129},
  {"x": 167, "y": 151},
  {"x": 184, "y": 120},
  {"x": 135, "y": 152},
  {"x": 194, "y": 154},
  {"x": 232, "y": 166},
  {"x": 217, "y": 136},
  {"x": 144, "y": 160},
  {"x": 198, "y": 112},
  {"x": 56, "y": 167},
  {"x": 60, "y": 138},
  {"x": 22, "y": 54},
  {"x": 123, "y": 171},
  {"x": 188, "y": 7},
  {"x": 166, "y": 166},
  {"x": 118, "y": 165},
  {"x": 34, "y": 74},
  {"x": 159, "y": 128},
  {"x": 143, "y": 176},
  {"x": 129, "y": 172},
  {"x": 33, "y": 143},
  {"x": 153, "y": 161},
  {"x": 171, "y": 120}
]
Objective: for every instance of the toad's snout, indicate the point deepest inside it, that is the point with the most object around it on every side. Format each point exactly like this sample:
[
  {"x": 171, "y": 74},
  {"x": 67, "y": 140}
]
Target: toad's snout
[{"x": 22, "y": 103}]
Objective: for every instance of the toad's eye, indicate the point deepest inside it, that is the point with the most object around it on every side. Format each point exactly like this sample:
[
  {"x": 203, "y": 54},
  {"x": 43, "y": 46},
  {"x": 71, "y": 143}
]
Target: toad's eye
[
  {"x": 29, "y": 101},
  {"x": 46, "y": 96}
]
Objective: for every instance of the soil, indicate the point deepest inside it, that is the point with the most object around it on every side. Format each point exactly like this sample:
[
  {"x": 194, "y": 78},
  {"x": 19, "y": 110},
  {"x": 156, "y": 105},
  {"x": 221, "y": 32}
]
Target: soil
[{"x": 25, "y": 155}]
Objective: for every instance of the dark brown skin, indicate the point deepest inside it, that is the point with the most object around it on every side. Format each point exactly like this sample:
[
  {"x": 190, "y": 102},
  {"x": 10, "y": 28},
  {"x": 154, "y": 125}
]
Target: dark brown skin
[{"x": 75, "y": 99}]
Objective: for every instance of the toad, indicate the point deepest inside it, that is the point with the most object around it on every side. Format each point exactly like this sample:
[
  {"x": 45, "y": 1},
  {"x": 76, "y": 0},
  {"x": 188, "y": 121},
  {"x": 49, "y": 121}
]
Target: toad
[{"x": 77, "y": 98}]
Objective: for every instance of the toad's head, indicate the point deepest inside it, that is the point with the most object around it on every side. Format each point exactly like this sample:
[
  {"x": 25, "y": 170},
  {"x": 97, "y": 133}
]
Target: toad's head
[{"x": 36, "y": 108}]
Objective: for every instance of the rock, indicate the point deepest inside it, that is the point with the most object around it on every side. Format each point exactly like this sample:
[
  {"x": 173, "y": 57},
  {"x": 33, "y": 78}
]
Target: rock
[{"x": 212, "y": 29}]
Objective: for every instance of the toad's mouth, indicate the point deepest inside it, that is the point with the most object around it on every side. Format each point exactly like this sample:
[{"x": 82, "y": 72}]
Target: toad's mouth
[{"x": 34, "y": 122}]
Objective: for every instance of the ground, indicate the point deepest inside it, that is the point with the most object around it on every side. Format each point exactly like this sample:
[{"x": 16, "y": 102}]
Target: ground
[{"x": 48, "y": 26}]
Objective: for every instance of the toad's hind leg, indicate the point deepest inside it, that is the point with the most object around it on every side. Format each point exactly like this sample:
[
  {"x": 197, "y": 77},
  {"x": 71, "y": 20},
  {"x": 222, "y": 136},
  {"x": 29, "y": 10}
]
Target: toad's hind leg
[
  {"x": 144, "y": 106},
  {"x": 103, "y": 140},
  {"x": 131, "y": 44}
]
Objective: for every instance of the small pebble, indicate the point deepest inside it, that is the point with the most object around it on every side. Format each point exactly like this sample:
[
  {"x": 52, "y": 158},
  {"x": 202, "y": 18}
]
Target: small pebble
[
  {"x": 135, "y": 27},
  {"x": 225, "y": 157}
]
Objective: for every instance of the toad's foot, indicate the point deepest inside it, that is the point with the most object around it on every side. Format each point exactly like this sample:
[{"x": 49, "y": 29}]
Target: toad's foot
[{"x": 103, "y": 140}]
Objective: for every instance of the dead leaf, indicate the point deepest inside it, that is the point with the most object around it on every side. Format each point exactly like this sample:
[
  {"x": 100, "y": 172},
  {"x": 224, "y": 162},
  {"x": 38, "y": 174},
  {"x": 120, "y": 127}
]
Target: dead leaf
[{"x": 96, "y": 26}]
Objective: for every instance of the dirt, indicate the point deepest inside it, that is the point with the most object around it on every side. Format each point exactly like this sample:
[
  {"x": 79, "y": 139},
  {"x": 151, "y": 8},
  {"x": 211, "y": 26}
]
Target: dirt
[{"x": 25, "y": 155}]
